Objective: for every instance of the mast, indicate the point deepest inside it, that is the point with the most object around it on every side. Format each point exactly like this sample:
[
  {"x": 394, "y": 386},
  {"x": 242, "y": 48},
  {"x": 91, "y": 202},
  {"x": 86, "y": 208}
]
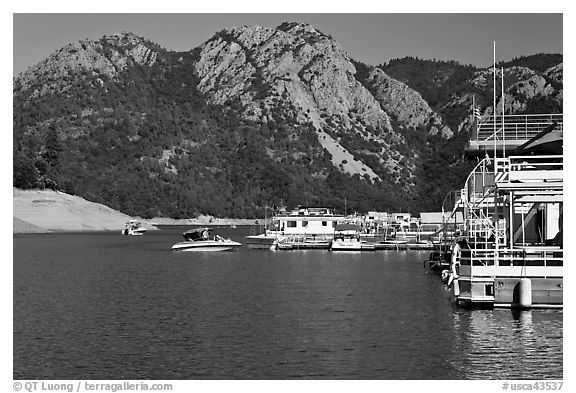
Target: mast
[
  {"x": 495, "y": 216},
  {"x": 494, "y": 105},
  {"x": 503, "y": 133}
]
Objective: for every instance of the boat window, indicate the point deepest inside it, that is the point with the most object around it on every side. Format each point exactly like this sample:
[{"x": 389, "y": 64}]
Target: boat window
[
  {"x": 489, "y": 289},
  {"x": 304, "y": 223},
  {"x": 324, "y": 223},
  {"x": 291, "y": 224}
]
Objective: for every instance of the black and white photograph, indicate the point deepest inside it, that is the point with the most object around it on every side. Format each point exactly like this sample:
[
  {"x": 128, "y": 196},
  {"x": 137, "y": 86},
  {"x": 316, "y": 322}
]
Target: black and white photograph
[{"x": 277, "y": 196}]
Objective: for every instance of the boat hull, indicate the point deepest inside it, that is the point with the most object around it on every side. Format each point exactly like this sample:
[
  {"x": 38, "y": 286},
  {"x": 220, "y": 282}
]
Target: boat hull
[
  {"x": 206, "y": 247},
  {"x": 507, "y": 292},
  {"x": 296, "y": 245},
  {"x": 346, "y": 246},
  {"x": 130, "y": 232},
  {"x": 260, "y": 241}
]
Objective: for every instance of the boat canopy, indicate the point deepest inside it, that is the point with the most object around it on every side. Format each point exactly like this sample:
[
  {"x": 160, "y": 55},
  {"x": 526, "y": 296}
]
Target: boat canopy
[
  {"x": 198, "y": 233},
  {"x": 547, "y": 142},
  {"x": 347, "y": 227}
]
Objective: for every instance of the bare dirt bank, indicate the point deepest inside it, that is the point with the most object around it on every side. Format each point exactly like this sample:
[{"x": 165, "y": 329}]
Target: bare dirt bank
[
  {"x": 37, "y": 211},
  {"x": 40, "y": 211}
]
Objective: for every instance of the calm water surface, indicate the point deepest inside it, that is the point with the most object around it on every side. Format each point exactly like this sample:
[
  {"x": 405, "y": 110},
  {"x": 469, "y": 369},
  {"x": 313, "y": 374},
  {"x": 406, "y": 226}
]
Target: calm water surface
[{"x": 105, "y": 306}]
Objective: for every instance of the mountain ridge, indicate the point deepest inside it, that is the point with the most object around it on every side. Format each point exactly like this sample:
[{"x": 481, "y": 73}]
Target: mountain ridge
[{"x": 254, "y": 116}]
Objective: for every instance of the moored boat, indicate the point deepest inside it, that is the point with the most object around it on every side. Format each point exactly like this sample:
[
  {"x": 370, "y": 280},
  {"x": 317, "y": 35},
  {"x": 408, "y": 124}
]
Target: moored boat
[
  {"x": 133, "y": 228},
  {"x": 301, "y": 243},
  {"x": 511, "y": 253},
  {"x": 346, "y": 238},
  {"x": 204, "y": 239},
  {"x": 304, "y": 227}
]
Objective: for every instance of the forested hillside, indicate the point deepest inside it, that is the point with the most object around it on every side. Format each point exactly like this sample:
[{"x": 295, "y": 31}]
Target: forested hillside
[{"x": 152, "y": 132}]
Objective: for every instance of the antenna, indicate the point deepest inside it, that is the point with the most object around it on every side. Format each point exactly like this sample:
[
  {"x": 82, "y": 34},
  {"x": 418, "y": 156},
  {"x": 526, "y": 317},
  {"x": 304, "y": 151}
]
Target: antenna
[
  {"x": 495, "y": 217},
  {"x": 503, "y": 133},
  {"x": 494, "y": 106}
]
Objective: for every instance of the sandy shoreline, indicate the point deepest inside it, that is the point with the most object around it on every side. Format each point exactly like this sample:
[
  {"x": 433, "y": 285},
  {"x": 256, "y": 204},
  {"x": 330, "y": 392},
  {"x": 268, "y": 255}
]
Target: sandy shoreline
[{"x": 45, "y": 211}]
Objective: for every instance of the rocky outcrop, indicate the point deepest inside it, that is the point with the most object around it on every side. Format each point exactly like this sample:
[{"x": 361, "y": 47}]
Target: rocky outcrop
[
  {"x": 405, "y": 104},
  {"x": 555, "y": 73},
  {"x": 104, "y": 58},
  {"x": 303, "y": 67},
  {"x": 294, "y": 61},
  {"x": 521, "y": 84}
]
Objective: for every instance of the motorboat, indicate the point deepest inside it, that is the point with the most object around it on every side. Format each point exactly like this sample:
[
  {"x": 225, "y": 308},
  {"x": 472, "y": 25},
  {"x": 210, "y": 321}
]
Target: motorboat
[
  {"x": 204, "y": 239},
  {"x": 133, "y": 228},
  {"x": 301, "y": 243},
  {"x": 347, "y": 238},
  {"x": 346, "y": 243}
]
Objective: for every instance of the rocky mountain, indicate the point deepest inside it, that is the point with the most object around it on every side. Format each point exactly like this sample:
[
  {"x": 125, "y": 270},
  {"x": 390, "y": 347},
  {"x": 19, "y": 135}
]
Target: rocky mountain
[
  {"x": 255, "y": 116},
  {"x": 532, "y": 84}
]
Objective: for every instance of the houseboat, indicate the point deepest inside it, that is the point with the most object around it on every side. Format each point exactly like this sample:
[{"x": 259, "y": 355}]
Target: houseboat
[
  {"x": 511, "y": 250},
  {"x": 305, "y": 227}
]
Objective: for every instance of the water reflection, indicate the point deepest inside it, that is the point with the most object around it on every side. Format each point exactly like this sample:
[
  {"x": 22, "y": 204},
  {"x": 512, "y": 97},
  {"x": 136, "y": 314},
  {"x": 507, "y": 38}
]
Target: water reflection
[{"x": 508, "y": 344}]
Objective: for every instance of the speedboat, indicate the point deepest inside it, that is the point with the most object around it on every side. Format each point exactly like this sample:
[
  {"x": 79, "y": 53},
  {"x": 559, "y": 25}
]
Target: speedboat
[
  {"x": 347, "y": 238},
  {"x": 346, "y": 243},
  {"x": 204, "y": 239},
  {"x": 133, "y": 228}
]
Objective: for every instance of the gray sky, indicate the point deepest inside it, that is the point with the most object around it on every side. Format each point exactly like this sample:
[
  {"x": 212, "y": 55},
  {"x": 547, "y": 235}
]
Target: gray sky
[{"x": 372, "y": 38}]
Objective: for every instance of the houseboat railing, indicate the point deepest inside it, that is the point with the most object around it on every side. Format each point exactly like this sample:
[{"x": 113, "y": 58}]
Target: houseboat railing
[
  {"x": 511, "y": 263},
  {"x": 451, "y": 201},
  {"x": 479, "y": 199},
  {"x": 516, "y": 127},
  {"x": 479, "y": 181},
  {"x": 531, "y": 168},
  {"x": 472, "y": 260}
]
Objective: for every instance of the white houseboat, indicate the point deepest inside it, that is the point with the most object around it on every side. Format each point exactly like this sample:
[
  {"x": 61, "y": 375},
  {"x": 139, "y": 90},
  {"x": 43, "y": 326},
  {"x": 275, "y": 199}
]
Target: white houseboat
[
  {"x": 313, "y": 226},
  {"x": 512, "y": 203}
]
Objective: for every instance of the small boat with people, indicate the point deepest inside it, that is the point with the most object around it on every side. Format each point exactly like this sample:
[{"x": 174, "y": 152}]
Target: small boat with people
[
  {"x": 133, "y": 228},
  {"x": 204, "y": 239}
]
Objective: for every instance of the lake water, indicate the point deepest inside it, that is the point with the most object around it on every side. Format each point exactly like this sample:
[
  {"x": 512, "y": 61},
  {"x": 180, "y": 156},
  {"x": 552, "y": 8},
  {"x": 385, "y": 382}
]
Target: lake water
[{"x": 106, "y": 306}]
